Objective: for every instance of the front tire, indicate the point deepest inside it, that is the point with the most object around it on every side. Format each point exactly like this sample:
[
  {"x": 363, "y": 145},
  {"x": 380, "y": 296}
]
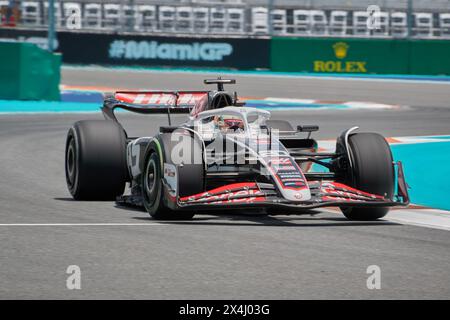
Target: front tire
[
  {"x": 152, "y": 189},
  {"x": 372, "y": 171}
]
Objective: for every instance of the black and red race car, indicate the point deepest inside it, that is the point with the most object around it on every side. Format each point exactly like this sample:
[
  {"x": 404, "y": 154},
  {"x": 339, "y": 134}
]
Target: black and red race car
[{"x": 227, "y": 156}]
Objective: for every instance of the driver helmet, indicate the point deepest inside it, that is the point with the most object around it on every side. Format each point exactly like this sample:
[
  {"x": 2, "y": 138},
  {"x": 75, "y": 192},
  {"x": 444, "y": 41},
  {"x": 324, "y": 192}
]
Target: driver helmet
[{"x": 228, "y": 123}]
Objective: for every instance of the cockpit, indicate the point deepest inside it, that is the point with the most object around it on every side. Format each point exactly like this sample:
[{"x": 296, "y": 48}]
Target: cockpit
[{"x": 231, "y": 120}]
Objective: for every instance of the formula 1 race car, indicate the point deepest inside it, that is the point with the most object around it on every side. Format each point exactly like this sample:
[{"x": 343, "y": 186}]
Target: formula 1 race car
[{"x": 227, "y": 156}]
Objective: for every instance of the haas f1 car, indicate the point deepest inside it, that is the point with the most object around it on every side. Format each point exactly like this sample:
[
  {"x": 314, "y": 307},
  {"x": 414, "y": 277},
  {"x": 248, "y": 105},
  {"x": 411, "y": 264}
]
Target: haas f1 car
[{"x": 227, "y": 156}]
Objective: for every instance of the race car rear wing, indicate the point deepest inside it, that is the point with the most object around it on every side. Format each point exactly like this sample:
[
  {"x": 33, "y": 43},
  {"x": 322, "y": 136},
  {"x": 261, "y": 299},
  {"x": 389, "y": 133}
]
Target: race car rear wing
[{"x": 147, "y": 102}]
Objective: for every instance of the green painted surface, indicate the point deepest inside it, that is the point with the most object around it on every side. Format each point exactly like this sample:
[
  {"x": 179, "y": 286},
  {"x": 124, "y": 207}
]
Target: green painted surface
[
  {"x": 28, "y": 72},
  {"x": 430, "y": 57},
  {"x": 360, "y": 56}
]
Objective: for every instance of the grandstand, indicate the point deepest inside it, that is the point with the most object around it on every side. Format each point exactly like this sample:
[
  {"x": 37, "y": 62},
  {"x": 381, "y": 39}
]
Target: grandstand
[{"x": 312, "y": 18}]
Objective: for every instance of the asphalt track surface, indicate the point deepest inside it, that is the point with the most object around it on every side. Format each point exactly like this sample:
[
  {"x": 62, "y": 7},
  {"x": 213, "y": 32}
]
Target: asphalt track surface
[{"x": 123, "y": 253}]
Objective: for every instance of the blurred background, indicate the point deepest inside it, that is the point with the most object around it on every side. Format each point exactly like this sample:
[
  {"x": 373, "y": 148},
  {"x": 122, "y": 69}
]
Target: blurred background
[
  {"x": 312, "y": 18},
  {"x": 387, "y": 37}
]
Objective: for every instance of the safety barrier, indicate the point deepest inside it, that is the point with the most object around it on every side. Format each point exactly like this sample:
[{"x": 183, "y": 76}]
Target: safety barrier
[
  {"x": 148, "y": 50},
  {"x": 429, "y": 57},
  {"x": 28, "y": 72},
  {"x": 364, "y": 56},
  {"x": 140, "y": 50},
  {"x": 317, "y": 55}
]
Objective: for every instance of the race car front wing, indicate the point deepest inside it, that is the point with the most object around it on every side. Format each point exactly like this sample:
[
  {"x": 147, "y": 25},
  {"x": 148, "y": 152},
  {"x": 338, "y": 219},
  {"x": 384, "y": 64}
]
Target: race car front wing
[{"x": 323, "y": 193}]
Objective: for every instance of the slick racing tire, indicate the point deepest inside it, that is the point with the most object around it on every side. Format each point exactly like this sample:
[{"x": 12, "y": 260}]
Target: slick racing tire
[
  {"x": 372, "y": 171},
  {"x": 152, "y": 188},
  {"x": 96, "y": 160}
]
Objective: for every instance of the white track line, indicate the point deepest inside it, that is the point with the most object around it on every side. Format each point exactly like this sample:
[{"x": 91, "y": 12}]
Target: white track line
[
  {"x": 77, "y": 224},
  {"x": 429, "y": 218}
]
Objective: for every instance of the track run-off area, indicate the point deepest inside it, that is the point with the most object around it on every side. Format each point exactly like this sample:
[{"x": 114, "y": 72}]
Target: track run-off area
[{"x": 123, "y": 253}]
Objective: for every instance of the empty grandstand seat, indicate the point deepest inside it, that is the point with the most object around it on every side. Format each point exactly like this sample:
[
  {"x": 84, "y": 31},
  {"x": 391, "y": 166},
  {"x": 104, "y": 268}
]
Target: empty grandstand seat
[
  {"x": 128, "y": 17},
  {"x": 423, "y": 24},
  {"x": 338, "y": 22},
  {"x": 302, "y": 22},
  {"x": 184, "y": 21},
  {"x": 111, "y": 14},
  {"x": 360, "y": 23},
  {"x": 319, "y": 22},
  {"x": 399, "y": 24},
  {"x": 279, "y": 21},
  {"x": 31, "y": 13},
  {"x": 235, "y": 20},
  {"x": 146, "y": 18},
  {"x": 166, "y": 17},
  {"x": 260, "y": 20},
  {"x": 217, "y": 20},
  {"x": 92, "y": 16},
  {"x": 444, "y": 25},
  {"x": 383, "y": 29},
  {"x": 201, "y": 19}
]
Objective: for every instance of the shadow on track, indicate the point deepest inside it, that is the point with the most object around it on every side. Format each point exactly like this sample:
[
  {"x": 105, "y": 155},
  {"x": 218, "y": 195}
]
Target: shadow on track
[
  {"x": 69, "y": 199},
  {"x": 64, "y": 199},
  {"x": 262, "y": 220},
  {"x": 307, "y": 219}
]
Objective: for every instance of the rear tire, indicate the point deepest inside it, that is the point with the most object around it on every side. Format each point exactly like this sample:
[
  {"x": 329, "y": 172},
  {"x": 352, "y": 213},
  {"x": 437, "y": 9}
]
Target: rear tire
[
  {"x": 373, "y": 172},
  {"x": 96, "y": 160}
]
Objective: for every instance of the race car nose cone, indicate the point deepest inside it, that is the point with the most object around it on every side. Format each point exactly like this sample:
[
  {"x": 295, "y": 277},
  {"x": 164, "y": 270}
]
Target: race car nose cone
[{"x": 296, "y": 195}]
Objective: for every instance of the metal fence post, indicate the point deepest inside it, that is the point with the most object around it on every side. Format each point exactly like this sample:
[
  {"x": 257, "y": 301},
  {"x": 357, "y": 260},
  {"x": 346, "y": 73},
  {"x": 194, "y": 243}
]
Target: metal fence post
[
  {"x": 409, "y": 18},
  {"x": 131, "y": 20},
  {"x": 51, "y": 25},
  {"x": 269, "y": 12}
]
